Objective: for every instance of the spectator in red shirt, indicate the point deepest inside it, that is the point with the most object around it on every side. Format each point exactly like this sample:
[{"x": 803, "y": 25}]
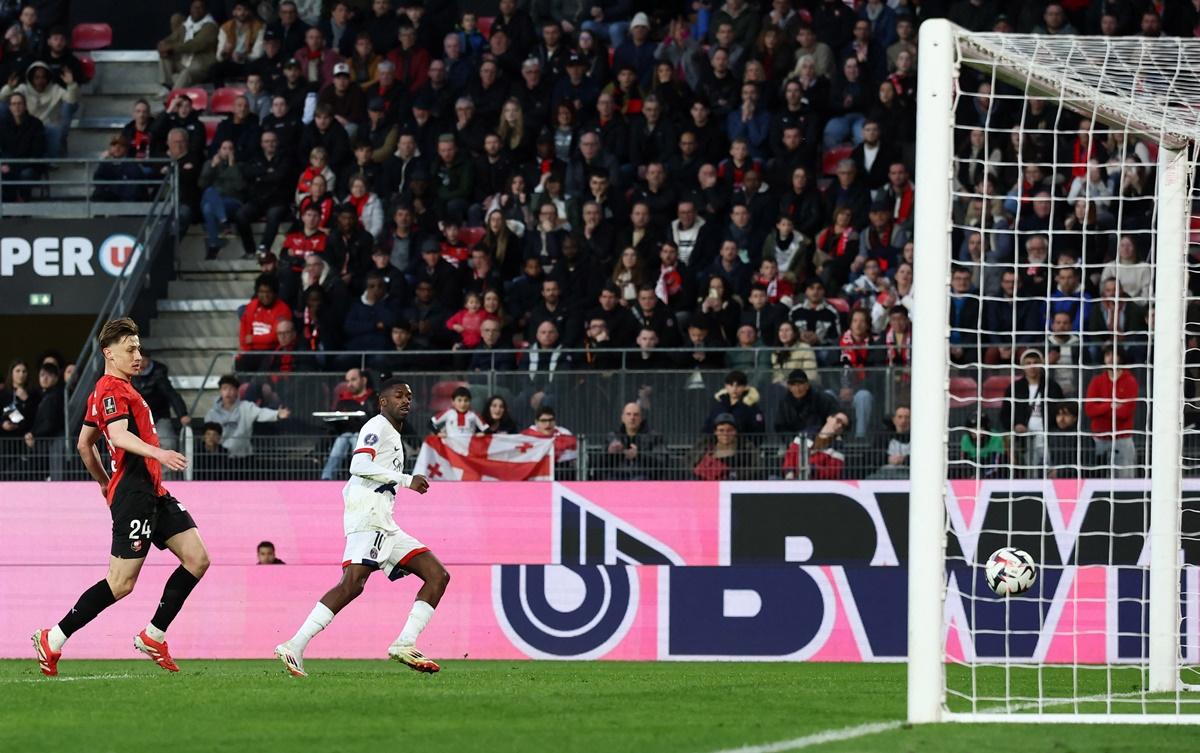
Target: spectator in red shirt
[
  {"x": 259, "y": 320},
  {"x": 1112, "y": 398},
  {"x": 468, "y": 321}
]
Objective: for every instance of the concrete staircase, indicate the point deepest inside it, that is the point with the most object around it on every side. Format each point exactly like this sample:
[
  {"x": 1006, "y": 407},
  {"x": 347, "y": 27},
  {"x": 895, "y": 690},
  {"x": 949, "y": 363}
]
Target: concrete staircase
[{"x": 196, "y": 324}]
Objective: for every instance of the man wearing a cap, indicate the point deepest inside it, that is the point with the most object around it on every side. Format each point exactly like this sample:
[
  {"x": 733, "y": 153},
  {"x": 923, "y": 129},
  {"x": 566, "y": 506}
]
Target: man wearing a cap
[
  {"x": 882, "y": 239},
  {"x": 346, "y": 101},
  {"x": 805, "y": 408},
  {"x": 576, "y": 88},
  {"x": 637, "y": 51}
]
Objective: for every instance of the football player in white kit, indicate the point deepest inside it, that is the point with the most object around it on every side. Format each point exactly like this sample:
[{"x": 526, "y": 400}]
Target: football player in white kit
[{"x": 374, "y": 541}]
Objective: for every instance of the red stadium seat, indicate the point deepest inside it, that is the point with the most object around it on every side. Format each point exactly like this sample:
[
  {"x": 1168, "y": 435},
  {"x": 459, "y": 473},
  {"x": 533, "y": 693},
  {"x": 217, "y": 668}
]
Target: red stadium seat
[
  {"x": 223, "y": 99},
  {"x": 994, "y": 388},
  {"x": 337, "y": 390},
  {"x": 964, "y": 392},
  {"x": 89, "y": 66},
  {"x": 210, "y": 129},
  {"x": 840, "y": 304},
  {"x": 199, "y": 97},
  {"x": 833, "y": 157},
  {"x": 439, "y": 395},
  {"x": 471, "y": 235},
  {"x": 91, "y": 37},
  {"x": 485, "y": 25}
]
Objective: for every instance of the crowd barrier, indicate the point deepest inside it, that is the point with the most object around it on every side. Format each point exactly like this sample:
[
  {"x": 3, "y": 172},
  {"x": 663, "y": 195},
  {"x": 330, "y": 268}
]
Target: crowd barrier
[{"x": 636, "y": 571}]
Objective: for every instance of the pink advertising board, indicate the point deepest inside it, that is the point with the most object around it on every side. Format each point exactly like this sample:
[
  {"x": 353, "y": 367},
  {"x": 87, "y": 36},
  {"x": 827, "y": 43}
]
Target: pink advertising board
[{"x": 635, "y": 571}]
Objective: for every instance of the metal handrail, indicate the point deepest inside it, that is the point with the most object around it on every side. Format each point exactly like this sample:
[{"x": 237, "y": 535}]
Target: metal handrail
[
  {"x": 762, "y": 353},
  {"x": 163, "y": 213},
  {"x": 88, "y": 182}
]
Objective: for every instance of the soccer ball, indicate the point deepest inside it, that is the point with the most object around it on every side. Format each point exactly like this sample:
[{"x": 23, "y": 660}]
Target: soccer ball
[{"x": 1010, "y": 571}]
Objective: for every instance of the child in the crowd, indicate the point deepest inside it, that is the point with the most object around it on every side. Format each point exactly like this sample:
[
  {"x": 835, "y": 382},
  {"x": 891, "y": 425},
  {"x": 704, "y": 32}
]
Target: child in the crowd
[
  {"x": 459, "y": 420},
  {"x": 468, "y": 321},
  {"x": 453, "y": 249}
]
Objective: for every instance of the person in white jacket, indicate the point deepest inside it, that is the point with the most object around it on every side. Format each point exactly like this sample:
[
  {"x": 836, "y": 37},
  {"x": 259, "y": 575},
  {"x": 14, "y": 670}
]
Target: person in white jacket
[
  {"x": 47, "y": 101},
  {"x": 368, "y": 206},
  {"x": 374, "y": 541},
  {"x": 237, "y": 417}
]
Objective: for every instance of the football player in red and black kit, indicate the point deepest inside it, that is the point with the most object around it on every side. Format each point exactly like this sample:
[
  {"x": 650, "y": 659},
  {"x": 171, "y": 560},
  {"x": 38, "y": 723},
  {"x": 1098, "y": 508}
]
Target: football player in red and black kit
[{"x": 143, "y": 513}]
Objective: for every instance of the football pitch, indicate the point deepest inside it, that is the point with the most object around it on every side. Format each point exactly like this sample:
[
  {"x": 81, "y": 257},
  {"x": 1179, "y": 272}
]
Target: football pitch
[{"x": 500, "y": 706}]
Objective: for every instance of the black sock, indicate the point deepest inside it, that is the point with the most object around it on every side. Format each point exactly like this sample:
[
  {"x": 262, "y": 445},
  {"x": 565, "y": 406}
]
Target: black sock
[
  {"x": 179, "y": 585},
  {"x": 93, "y": 601}
]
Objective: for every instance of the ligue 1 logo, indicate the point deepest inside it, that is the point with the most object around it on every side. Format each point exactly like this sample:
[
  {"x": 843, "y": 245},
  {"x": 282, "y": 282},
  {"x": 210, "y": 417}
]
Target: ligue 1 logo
[{"x": 117, "y": 252}]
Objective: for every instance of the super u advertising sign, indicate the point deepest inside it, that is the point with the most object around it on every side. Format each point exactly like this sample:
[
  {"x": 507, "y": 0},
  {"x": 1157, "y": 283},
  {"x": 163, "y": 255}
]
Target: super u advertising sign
[
  {"x": 75, "y": 261},
  {"x": 635, "y": 571}
]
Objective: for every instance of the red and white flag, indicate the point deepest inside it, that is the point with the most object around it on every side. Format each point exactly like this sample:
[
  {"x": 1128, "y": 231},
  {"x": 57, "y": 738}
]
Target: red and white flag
[{"x": 492, "y": 457}]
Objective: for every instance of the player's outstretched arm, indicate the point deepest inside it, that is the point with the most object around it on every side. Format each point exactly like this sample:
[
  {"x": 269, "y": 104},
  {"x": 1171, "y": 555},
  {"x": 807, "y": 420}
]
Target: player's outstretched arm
[
  {"x": 363, "y": 466},
  {"x": 88, "y": 436},
  {"x": 122, "y": 438}
]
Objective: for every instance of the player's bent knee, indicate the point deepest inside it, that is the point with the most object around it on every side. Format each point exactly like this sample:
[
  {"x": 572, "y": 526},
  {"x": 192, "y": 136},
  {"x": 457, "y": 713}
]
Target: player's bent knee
[
  {"x": 121, "y": 587},
  {"x": 442, "y": 578},
  {"x": 198, "y": 564}
]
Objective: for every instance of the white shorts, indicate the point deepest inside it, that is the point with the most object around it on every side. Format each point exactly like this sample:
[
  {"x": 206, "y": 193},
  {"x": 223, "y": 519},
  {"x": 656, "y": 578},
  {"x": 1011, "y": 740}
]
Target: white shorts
[{"x": 388, "y": 552}]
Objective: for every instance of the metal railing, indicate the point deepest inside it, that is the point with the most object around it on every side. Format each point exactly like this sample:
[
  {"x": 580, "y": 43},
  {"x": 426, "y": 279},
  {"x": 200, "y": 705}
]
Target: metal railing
[
  {"x": 51, "y": 188},
  {"x": 276, "y": 454},
  {"x": 674, "y": 401},
  {"x": 155, "y": 229}
]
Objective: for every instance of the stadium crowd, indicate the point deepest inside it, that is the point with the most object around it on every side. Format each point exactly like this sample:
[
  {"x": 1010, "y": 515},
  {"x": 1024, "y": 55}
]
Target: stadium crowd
[{"x": 531, "y": 190}]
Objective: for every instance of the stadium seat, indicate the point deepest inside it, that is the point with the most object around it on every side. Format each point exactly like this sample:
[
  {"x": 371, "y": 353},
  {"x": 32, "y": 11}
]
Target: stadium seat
[
  {"x": 89, "y": 66},
  {"x": 834, "y": 156},
  {"x": 963, "y": 392},
  {"x": 210, "y": 129},
  {"x": 471, "y": 235},
  {"x": 223, "y": 98},
  {"x": 840, "y": 304},
  {"x": 91, "y": 37},
  {"x": 337, "y": 390},
  {"x": 199, "y": 97},
  {"x": 440, "y": 392},
  {"x": 485, "y": 25},
  {"x": 1194, "y": 229},
  {"x": 994, "y": 388}
]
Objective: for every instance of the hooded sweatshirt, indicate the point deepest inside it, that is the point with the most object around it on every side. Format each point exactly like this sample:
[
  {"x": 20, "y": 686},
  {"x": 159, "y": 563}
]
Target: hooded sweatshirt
[{"x": 45, "y": 105}]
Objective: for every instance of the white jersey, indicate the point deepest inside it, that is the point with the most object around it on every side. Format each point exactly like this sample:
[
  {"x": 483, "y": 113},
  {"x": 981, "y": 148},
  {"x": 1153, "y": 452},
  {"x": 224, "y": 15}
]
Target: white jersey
[
  {"x": 458, "y": 424},
  {"x": 378, "y": 459}
]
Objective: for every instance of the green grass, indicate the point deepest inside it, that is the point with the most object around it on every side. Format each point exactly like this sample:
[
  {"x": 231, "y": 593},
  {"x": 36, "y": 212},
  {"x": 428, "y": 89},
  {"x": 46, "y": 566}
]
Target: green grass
[{"x": 608, "y": 707}]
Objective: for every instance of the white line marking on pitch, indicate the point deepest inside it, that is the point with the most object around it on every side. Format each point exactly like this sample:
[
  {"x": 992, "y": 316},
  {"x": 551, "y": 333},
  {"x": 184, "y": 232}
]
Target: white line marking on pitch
[
  {"x": 48, "y": 680},
  {"x": 819, "y": 738},
  {"x": 874, "y": 728}
]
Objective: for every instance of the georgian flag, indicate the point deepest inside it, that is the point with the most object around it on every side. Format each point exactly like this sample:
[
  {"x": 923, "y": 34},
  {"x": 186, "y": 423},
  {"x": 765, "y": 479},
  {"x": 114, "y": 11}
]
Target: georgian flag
[{"x": 492, "y": 457}]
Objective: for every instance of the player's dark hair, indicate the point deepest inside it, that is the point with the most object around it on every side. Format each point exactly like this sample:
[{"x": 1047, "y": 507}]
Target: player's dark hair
[
  {"x": 460, "y": 392},
  {"x": 390, "y": 382},
  {"x": 116, "y": 330}
]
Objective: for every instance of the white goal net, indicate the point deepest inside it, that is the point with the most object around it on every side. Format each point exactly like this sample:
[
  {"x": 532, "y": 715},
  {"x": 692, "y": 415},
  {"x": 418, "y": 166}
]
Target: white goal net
[{"x": 1055, "y": 318}]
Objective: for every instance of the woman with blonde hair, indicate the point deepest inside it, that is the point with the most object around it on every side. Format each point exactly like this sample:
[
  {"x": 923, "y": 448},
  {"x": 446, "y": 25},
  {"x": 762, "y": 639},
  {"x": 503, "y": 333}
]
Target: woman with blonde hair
[{"x": 514, "y": 137}]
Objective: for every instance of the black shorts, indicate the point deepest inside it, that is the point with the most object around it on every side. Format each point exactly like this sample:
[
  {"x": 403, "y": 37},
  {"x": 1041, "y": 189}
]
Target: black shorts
[{"x": 140, "y": 519}]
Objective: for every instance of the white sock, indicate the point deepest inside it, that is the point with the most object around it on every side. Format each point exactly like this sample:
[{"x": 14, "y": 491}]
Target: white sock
[
  {"x": 56, "y": 639},
  {"x": 418, "y": 618},
  {"x": 318, "y": 620},
  {"x": 155, "y": 633}
]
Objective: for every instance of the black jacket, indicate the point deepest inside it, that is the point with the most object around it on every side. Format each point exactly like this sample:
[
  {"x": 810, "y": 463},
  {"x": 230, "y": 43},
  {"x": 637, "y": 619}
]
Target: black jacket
[
  {"x": 158, "y": 392},
  {"x": 1018, "y": 403},
  {"x": 269, "y": 181},
  {"x": 48, "y": 421},
  {"x": 646, "y": 465},
  {"x": 26, "y": 140},
  {"x": 806, "y": 415},
  {"x": 335, "y": 140}
]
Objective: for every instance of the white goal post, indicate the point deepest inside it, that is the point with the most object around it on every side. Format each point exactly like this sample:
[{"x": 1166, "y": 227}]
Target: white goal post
[{"x": 1114, "y": 653}]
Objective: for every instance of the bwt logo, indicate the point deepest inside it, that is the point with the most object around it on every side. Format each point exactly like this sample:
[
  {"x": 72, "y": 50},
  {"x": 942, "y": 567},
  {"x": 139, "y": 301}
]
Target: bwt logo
[{"x": 68, "y": 257}]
